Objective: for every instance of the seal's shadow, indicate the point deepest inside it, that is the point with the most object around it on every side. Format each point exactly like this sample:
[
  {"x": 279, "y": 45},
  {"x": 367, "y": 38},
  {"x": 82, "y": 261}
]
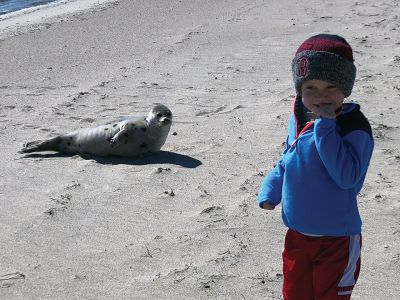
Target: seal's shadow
[{"x": 160, "y": 157}]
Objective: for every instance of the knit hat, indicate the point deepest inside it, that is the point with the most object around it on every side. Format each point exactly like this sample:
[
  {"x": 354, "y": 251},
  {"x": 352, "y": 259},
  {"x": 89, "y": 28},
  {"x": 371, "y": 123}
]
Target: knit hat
[{"x": 325, "y": 57}]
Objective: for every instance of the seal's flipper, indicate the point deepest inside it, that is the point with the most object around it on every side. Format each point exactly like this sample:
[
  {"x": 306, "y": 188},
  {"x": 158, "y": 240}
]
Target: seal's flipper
[
  {"x": 119, "y": 138},
  {"x": 37, "y": 146}
]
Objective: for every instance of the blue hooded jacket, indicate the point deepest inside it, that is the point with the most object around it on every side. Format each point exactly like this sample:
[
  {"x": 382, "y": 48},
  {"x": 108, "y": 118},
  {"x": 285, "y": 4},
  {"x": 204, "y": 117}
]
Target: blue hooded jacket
[{"x": 321, "y": 172}]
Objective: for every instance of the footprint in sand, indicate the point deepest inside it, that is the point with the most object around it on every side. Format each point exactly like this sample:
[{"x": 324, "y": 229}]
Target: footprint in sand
[
  {"x": 63, "y": 201},
  {"x": 7, "y": 280},
  {"x": 220, "y": 110}
]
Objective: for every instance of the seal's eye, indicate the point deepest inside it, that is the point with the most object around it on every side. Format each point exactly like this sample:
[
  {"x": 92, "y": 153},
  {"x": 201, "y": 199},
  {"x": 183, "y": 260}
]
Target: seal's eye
[{"x": 159, "y": 115}]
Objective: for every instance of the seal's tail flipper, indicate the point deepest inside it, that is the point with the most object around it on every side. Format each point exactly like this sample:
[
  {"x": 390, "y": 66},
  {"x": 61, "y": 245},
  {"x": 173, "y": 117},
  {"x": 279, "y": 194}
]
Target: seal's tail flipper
[{"x": 37, "y": 146}]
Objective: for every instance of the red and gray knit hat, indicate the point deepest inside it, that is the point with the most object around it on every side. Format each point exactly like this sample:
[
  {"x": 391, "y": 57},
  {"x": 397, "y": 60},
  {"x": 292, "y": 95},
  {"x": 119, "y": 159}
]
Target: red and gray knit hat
[{"x": 325, "y": 57}]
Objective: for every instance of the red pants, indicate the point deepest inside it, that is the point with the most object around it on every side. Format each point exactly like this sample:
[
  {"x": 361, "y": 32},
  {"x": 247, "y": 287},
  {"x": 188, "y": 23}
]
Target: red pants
[{"x": 320, "y": 268}]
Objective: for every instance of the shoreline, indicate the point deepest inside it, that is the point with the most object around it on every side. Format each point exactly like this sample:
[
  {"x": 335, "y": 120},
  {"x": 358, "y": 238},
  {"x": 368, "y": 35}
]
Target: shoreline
[{"x": 14, "y": 23}]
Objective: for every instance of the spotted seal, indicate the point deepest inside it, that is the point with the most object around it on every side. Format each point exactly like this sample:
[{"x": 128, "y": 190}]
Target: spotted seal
[{"x": 129, "y": 137}]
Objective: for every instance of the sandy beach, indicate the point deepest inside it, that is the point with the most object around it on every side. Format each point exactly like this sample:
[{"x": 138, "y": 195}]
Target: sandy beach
[{"x": 183, "y": 223}]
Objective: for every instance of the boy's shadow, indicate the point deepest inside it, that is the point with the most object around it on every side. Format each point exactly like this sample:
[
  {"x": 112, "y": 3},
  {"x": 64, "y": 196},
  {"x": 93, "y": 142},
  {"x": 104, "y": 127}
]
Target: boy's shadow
[{"x": 160, "y": 157}]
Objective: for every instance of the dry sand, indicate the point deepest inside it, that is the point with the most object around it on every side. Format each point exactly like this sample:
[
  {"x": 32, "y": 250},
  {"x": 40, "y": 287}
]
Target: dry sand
[{"x": 183, "y": 224}]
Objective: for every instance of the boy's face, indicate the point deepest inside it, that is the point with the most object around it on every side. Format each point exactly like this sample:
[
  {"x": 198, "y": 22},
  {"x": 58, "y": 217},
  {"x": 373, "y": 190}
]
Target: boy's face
[{"x": 321, "y": 97}]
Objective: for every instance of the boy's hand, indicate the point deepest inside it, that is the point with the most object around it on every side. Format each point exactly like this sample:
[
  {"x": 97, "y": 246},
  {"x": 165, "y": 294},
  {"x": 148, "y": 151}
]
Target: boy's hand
[
  {"x": 326, "y": 110},
  {"x": 268, "y": 206}
]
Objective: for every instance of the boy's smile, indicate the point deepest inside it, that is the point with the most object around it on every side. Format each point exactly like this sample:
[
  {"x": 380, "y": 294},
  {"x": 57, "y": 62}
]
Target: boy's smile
[{"x": 322, "y": 97}]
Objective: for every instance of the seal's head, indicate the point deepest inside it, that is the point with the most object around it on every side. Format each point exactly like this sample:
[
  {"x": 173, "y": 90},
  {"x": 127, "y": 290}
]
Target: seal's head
[{"x": 160, "y": 115}]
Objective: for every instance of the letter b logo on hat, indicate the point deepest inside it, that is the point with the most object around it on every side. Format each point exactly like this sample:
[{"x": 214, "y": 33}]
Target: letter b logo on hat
[{"x": 302, "y": 66}]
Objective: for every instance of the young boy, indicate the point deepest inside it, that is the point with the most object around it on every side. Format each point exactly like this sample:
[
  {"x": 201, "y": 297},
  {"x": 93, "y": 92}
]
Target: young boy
[{"x": 320, "y": 173}]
